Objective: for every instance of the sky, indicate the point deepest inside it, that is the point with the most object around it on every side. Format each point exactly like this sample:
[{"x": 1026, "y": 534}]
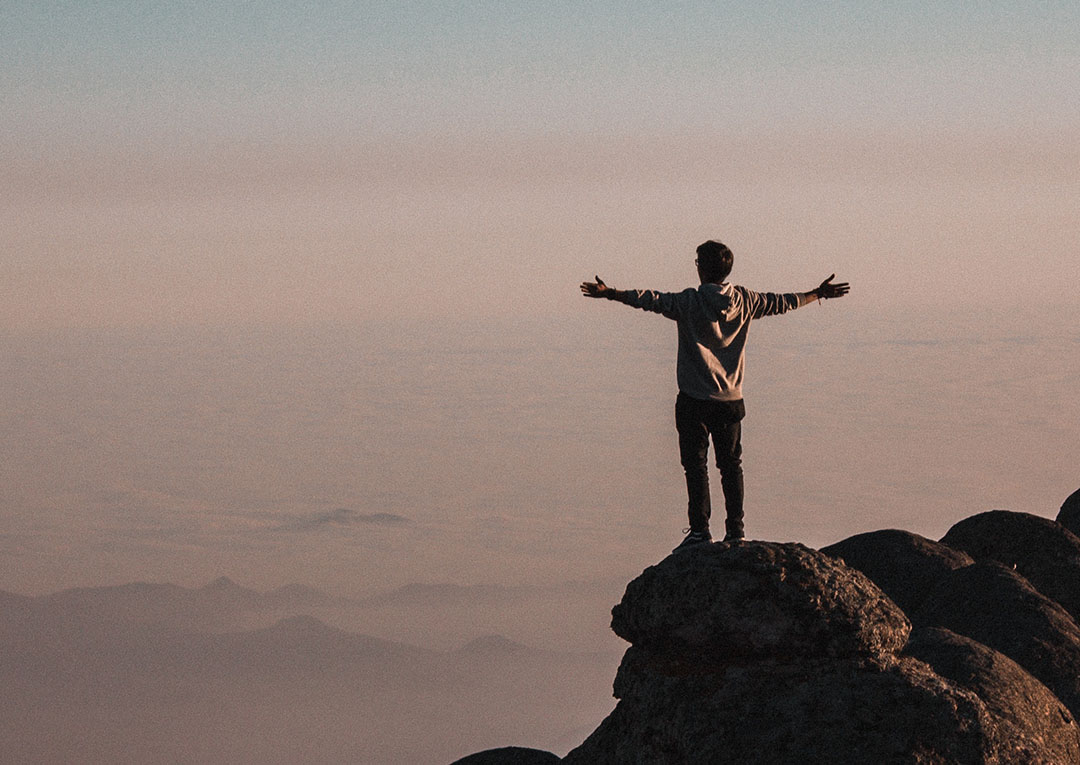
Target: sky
[
  {"x": 223, "y": 163},
  {"x": 432, "y": 180}
]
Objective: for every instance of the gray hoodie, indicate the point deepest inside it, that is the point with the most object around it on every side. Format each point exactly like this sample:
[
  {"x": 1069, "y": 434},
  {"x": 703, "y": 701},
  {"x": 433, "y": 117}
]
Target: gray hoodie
[{"x": 713, "y": 321}]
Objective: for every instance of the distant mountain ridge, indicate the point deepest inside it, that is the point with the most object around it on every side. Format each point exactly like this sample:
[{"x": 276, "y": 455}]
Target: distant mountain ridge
[
  {"x": 464, "y": 612},
  {"x": 224, "y": 590},
  {"x": 157, "y": 672}
]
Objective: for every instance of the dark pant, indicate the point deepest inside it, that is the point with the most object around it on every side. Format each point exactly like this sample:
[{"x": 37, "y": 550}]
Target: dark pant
[{"x": 696, "y": 420}]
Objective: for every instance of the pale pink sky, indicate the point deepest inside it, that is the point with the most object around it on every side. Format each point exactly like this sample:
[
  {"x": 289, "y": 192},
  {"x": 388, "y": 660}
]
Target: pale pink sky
[
  {"x": 511, "y": 226},
  {"x": 223, "y": 164}
]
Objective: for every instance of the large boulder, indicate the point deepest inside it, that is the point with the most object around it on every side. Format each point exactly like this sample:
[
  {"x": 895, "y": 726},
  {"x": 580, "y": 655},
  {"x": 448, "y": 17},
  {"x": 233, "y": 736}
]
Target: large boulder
[
  {"x": 904, "y": 565},
  {"x": 1069, "y": 514},
  {"x": 756, "y": 601},
  {"x": 994, "y": 605},
  {"x": 509, "y": 755},
  {"x": 1042, "y": 551},
  {"x": 1034, "y": 722},
  {"x": 807, "y": 712},
  {"x": 775, "y": 653}
]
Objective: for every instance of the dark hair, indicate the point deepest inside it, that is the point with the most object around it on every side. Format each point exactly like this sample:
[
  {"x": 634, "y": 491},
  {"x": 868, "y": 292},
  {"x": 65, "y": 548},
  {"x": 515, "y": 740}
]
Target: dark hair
[{"x": 714, "y": 261}]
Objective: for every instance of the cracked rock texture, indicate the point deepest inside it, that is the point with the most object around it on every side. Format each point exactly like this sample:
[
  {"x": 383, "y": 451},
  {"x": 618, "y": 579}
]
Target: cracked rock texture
[{"x": 758, "y": 600}]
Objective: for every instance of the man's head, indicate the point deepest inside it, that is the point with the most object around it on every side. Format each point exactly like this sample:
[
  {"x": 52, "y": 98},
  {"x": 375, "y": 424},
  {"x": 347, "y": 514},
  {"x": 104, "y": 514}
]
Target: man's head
[{"x": 714, "y": 261}]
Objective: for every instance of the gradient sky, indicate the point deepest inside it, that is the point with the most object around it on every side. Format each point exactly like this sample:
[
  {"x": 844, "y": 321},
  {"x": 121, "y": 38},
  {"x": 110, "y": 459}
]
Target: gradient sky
[
  {"x": 158, "y": 73},
  {"x": 201, "y": 162},
  {"x": 426, "y": 176}
]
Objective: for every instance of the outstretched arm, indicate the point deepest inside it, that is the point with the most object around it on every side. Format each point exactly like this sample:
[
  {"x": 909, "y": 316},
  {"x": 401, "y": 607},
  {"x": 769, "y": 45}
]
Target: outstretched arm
[
  {"x": 761, "y": 304},
  {"x": 827, "y": 290},
  {"x": 598, "y": 289},
  {"x": 665, "y": 303}
]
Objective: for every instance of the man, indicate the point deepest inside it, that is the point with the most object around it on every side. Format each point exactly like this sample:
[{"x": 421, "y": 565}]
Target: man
[{"x": 713, "y": 321}]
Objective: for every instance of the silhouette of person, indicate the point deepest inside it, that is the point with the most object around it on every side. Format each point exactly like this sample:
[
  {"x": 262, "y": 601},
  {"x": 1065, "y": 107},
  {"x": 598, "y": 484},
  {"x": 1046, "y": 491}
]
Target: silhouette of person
[{"x": 713, "y": 320}]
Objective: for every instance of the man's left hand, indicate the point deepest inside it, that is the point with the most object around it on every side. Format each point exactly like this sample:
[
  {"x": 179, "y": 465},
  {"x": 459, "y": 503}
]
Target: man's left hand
[{"x": 827, "y": 289}]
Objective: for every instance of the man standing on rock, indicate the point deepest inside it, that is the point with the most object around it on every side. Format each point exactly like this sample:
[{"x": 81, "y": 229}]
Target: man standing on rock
[{"x": 713, "y": 320}]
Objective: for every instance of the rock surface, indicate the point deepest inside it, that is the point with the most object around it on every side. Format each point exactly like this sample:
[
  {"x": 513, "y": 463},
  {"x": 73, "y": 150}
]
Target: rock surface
[
  {"x": 1069, "y": 514},
  {"x": 775, "y": 653},
  {"x": 994, "y": 605},
  {"x": 756, "y": 601},
  {"x": 1043, "y": 551},
  {"x": 509, "y": 755},
  {"x": 813, "y": 711},
  {"x": 904, "y": 565},
  {"x": 1039, "y": 727}
]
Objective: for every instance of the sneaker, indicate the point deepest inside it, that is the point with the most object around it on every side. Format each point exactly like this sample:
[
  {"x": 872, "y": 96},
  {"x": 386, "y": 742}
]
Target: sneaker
[
  {"x": 693, "y": 539},
  {"x": 733, "y": 537}
]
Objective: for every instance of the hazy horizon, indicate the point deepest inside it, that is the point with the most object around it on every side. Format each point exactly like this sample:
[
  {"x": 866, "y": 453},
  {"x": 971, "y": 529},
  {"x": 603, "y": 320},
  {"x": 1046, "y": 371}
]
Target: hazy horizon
[{"x": 516, "y": 451}]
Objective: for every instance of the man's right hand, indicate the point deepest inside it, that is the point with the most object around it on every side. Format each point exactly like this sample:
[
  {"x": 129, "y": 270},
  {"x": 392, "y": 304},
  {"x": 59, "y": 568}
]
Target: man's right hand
[{"x": 595, "y": 289}]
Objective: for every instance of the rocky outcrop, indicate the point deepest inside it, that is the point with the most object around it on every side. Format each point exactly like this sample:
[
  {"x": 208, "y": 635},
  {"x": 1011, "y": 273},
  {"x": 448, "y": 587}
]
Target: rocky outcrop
[
  {"x": 775, "y": 653},
  {"x": 1069, "y": 514},
  {"x": 1039, "y": 727},
  {"x": 994, "y": 605},
  {"x": 757, "y": 601},
  {"x": 1042, "y": 551},
  {"x": 904, "y": 565},
  {"x": 814, "y": 711}
]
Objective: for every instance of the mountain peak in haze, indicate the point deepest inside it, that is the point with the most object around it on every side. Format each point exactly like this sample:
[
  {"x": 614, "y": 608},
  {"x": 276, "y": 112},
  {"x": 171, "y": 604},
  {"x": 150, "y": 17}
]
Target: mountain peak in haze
[
  {"x": 223, "y": 583},
  {"x": 224, "y": 588}
]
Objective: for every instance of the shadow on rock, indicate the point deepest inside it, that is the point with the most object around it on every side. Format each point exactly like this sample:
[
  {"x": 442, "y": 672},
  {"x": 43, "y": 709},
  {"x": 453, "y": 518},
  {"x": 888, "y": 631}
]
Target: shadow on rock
[
  {"x": 1037, "y": 726},
  {"x": 994, "y": 605},
  {"x": 905, "y": 565},
  {"x": 1042, "y": 551},
  {"x": 1069, "y": 514}
]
